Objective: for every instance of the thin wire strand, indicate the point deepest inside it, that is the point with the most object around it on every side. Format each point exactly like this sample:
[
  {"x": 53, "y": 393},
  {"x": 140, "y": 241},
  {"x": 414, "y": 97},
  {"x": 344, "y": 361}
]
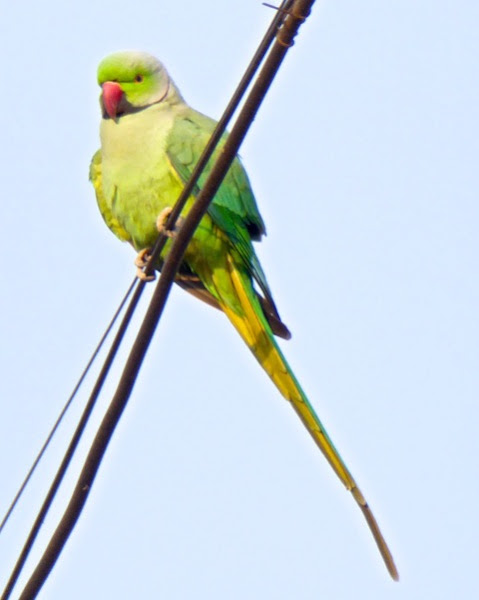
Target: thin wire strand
[
  {"x": 65, "y": 408},
  {"x": 152, "y": 317},
  {"x": 74, "y": 441},
  {"x": 206, "y": 155}
]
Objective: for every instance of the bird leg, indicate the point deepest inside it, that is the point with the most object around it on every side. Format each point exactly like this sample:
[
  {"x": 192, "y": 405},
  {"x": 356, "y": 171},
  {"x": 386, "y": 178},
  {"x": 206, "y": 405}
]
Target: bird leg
[
  {"x": 141, "y": 261},
  {"x": 143, "y": 256},
  {"x": 162, "y": 220}
]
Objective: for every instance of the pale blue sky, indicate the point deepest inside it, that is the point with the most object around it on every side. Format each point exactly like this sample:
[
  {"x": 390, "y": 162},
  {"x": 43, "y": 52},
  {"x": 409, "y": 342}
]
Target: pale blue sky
[{"x": 364, "y": 162}]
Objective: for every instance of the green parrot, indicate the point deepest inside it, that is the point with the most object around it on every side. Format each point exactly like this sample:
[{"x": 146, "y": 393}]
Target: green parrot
[{"x": 150, "y": 142}]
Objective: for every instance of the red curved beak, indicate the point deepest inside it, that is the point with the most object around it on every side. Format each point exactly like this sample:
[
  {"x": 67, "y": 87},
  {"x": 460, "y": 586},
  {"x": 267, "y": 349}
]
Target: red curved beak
[{"x": 112, "y": 95}]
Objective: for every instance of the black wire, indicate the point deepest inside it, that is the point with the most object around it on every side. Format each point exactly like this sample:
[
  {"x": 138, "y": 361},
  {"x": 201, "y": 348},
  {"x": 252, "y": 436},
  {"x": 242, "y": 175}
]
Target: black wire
[
  {"x": 65, "y": 408},
  {"x": 147, "y": 329},
  {"x": 74, "y": 441},
  {"x": 202, "y": 162},
  {"x": 156, "y": 306}
]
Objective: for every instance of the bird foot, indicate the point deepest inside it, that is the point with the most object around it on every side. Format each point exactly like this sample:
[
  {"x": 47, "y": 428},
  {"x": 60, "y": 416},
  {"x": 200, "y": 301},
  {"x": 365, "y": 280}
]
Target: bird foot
[
  {"x": 162, "y": 220},
  {"x": 141, "y": 261}
]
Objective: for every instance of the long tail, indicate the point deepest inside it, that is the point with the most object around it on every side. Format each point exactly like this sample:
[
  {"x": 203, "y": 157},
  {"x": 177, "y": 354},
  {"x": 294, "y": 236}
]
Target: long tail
[{"x": 255, "y": 331}]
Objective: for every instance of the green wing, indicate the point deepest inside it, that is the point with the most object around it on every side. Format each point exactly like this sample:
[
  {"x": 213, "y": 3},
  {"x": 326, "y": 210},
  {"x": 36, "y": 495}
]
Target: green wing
[
  {"x": 233, "y": 209},
  {"x": 186, "y": 141}
]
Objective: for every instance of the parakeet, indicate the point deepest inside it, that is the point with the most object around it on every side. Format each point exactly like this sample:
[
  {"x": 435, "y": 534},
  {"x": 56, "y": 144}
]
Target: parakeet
[{"x": 150, "y": 142}]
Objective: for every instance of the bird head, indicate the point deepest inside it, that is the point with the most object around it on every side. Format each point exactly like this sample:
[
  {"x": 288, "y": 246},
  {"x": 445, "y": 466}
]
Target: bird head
[{"x": 131, "y": 81}]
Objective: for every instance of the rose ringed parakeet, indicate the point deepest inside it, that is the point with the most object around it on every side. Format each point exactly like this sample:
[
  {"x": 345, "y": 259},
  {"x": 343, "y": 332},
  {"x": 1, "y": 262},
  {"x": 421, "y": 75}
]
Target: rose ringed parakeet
[{"x": 150, "y": 142}]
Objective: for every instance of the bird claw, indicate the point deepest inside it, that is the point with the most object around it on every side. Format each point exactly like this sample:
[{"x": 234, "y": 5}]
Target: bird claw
[
  {"x": 143, "y": 276},
  {"x": 143, "y": 256},
  {"x": 141, "y": 261},
  {"x": 162, "y": 220}
]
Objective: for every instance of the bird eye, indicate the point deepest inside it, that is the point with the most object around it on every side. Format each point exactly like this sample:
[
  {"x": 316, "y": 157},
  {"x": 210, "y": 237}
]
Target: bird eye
[{"x": 139, "y": 78}]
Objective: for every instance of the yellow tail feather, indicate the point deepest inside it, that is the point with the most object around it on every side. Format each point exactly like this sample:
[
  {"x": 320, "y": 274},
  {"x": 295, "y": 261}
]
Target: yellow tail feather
[{"x": 255, "y": 331}]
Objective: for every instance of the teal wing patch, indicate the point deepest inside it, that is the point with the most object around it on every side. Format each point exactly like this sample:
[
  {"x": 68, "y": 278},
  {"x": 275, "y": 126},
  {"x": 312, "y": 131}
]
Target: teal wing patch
[
  {"x": 186, "y": 142},
  {"x": 233, "y": 208}
]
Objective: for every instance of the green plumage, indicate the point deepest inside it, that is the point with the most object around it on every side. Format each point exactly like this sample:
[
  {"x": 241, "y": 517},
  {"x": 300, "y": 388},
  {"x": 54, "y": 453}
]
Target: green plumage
[{"x": 150, "y": 142}]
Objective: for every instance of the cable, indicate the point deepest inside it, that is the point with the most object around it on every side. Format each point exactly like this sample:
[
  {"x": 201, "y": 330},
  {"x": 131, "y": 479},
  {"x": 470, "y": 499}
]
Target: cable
[
  {"x": 290, "y": 24},
  {"x": 154, "y": 311},
  {"x": 73, "y": 442},
  {"x": 65, "y": 408}
]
